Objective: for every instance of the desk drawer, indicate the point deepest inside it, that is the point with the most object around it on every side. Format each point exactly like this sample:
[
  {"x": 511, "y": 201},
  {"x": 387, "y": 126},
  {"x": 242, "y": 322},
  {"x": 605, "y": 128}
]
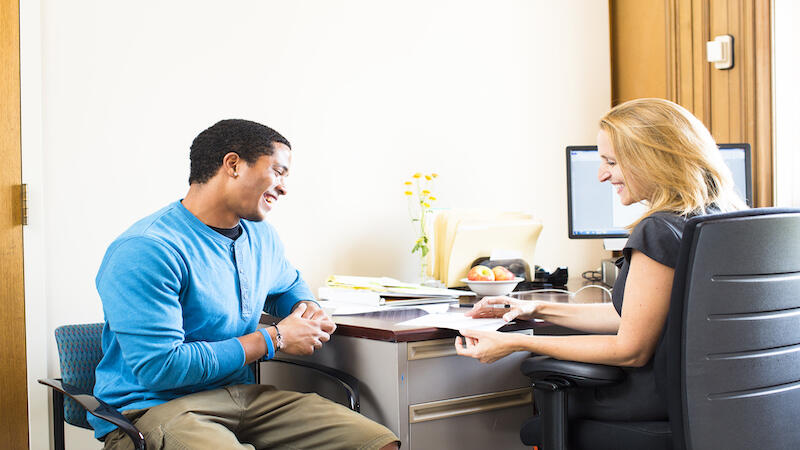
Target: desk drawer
[
  {"x": 436, "y": 372},
  {"x": 476, "y": 422}
]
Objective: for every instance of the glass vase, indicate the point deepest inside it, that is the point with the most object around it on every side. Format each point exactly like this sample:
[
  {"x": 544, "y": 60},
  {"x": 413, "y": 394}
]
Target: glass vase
[{"x": 422, "y": 276}]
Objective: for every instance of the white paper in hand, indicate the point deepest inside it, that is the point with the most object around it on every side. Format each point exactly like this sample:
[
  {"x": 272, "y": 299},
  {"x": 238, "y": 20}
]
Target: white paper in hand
[{"x": 455, "y": 321}]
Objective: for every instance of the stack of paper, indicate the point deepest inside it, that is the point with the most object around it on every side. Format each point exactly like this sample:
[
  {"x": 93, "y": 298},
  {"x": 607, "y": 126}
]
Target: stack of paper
[
  {"x": 462, "y": 236},
  {"x": 382, "y": 290},
  {"x": 367, "y": 283}
]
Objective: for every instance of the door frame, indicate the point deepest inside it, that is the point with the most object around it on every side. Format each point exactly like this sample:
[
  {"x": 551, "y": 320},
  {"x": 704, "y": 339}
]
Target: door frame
[{"x": 13, "y": 357}]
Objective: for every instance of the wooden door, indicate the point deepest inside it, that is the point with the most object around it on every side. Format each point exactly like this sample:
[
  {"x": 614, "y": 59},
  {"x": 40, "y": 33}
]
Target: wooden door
[
  {"x": 13, "y": 376},
  {"x": 658, "y": 49},
  {"x": 741, "y": 98}
]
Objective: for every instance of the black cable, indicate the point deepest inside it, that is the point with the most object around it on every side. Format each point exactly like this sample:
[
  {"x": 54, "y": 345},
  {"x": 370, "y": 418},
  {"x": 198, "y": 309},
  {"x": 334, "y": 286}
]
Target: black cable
[{"x": 592, "y": 275}]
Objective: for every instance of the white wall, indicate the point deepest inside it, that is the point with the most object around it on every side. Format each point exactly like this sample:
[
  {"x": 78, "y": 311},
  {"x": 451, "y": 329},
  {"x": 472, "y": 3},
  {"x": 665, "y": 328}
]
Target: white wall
[
  {"x": 38, "y": 334},
  {"x": 786, "y": 95},
  {"x": 487, "y": 94}
]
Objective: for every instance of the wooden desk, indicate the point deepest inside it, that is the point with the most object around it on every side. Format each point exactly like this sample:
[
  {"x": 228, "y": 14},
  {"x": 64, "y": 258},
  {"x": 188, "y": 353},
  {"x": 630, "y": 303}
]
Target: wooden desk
[
  {"x": 413, "y": 382},
  {"x": 382, "y": 326}
]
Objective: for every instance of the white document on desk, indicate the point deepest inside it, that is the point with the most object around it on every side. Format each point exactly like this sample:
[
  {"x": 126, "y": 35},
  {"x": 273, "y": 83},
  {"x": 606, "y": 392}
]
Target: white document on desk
[
  {"x": 347, "y": 309},
  {"x": 455, "y": 321}
]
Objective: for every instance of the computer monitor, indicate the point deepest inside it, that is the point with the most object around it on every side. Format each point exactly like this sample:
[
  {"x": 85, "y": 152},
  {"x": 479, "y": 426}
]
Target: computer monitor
[{"x": 595, "y": 211}]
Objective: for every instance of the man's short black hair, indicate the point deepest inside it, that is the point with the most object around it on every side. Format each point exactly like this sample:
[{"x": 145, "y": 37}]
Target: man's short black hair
[{"x": 250, "y": 140}]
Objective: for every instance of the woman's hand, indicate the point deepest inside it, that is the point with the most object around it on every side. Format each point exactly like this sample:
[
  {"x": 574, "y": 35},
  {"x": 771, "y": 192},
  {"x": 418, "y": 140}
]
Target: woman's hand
[
  {"x": 485, "y": 346},
  {"x": 495, "y": 307}
]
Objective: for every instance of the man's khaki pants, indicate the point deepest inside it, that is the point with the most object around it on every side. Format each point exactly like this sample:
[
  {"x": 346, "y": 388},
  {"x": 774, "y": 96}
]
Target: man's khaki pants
[{"x": 251, "y": 417}]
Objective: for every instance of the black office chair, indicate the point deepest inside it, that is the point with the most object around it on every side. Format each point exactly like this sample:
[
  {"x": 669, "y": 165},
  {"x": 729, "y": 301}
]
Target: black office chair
[
  {"x": 731, "y": 350},
  {"x": 80, "y": 351}
]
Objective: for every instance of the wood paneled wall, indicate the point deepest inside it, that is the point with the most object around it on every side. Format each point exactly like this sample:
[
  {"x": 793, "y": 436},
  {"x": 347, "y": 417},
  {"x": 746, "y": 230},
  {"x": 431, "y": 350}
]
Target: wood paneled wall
[
  {"x": 638, "y": 51},
  {"x": 658, "y": 50}
]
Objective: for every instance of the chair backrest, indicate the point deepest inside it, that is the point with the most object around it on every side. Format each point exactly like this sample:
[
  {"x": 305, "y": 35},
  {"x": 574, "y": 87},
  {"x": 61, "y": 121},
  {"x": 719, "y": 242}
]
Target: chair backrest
[
  {"x": 733, "y": 333},
  {"x": 79, "y": 352}
]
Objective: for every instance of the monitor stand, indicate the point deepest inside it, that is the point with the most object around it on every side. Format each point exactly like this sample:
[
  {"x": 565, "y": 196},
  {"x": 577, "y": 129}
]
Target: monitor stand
[
  {"x": 608, "y": 268},
  {"x": 614, "y": 244}
]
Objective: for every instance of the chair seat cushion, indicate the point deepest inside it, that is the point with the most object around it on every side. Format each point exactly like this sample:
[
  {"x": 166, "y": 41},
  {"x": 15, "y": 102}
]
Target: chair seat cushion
[{"x": 598, "y": 435}]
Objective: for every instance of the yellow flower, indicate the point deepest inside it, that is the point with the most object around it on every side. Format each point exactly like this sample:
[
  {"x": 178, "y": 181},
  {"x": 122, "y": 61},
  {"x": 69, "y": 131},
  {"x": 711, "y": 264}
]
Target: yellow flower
[
  {"x": 426, "y": 205},
  {"x": 432, "y": 198},
  {"x": 407, "y": 183},
  {"x": 417, "y": 175},
  {"x": 409, "y": 193},
  {"x": 428, "y": 177},
  {"x": 426, "y": 192},
  {"x": 434, "y": 175}
]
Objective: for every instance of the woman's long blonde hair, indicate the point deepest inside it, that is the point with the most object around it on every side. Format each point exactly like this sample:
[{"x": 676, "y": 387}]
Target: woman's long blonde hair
[{"x": 663, "y": 146}]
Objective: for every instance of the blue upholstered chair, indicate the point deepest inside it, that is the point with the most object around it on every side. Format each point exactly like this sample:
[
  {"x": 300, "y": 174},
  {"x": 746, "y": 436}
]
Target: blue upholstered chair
[{"x": 80, "y": 351}]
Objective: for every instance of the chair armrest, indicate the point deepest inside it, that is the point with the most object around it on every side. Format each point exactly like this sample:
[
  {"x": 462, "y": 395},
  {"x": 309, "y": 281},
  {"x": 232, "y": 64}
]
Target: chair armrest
[
  {"x": 565, "y": 374},
  {"x": 348, "y": 382},
  {"x": 98, "y": 408}
]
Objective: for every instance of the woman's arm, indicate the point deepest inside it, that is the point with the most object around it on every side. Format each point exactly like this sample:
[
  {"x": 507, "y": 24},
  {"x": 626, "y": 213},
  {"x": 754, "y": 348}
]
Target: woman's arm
[
  {"x": 644, "y": 311},
  {"x": 587, "y": 317}
]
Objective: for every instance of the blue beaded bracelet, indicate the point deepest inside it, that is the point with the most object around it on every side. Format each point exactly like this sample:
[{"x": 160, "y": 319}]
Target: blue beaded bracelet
[{"x": 270, "y": 346}]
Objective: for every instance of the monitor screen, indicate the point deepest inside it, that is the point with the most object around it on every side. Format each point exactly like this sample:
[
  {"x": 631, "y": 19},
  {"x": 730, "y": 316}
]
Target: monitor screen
[{"x": 594, "y": 208}]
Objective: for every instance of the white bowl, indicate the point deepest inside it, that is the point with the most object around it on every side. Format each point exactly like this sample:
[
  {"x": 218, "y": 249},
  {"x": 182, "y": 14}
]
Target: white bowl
[{"x": 492, "y": 287}]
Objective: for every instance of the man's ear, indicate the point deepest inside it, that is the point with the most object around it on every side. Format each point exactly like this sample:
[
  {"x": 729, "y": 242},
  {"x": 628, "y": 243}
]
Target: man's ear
[{"x": 230, "y": 164}]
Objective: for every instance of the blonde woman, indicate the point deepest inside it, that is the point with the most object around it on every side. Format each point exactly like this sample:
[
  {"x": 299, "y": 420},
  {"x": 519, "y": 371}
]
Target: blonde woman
[{"x": 652, "y": 151}]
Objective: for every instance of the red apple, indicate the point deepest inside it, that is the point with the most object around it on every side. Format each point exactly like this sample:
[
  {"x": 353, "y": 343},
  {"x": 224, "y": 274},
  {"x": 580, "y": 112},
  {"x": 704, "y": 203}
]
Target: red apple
[
  {"x": 480, "y": 273},
  {"x": 502, "y": 274}
]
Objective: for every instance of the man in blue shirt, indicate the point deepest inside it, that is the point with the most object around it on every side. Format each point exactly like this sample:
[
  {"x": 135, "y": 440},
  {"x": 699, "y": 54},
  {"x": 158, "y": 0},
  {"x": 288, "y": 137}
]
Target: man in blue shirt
[{"x": 182, "y": 292}]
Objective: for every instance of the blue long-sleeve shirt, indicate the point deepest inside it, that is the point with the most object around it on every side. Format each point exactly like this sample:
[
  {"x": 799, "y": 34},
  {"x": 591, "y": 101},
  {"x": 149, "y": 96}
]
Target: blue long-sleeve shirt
[{"x": 176, "y": 295}]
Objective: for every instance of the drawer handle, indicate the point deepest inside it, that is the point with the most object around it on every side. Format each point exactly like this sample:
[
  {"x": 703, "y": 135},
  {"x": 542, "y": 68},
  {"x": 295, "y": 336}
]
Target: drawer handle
[
  {"x": 436, "y": 348},
  {"x": 444, "y": 409}
]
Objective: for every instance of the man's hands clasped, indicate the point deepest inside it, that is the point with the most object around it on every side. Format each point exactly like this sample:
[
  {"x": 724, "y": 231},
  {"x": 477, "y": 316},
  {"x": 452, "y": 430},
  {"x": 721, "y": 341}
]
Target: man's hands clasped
[{"x": 305, "y": 329}]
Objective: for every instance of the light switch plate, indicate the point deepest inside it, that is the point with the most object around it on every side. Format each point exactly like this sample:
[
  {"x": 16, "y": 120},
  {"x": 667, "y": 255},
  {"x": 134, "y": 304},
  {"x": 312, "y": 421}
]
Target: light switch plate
[{"x": 720, "y": 52}]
